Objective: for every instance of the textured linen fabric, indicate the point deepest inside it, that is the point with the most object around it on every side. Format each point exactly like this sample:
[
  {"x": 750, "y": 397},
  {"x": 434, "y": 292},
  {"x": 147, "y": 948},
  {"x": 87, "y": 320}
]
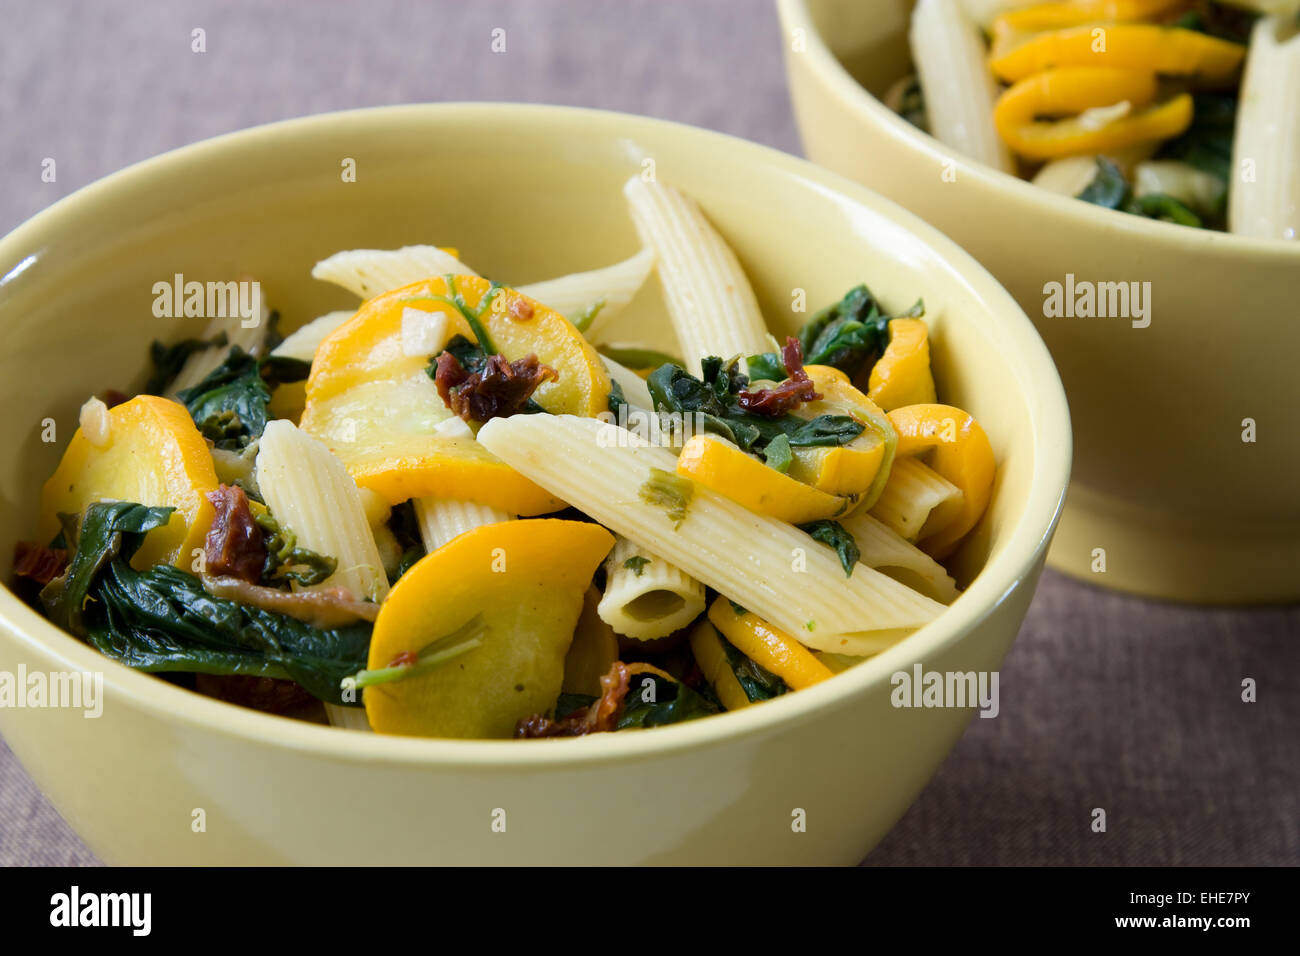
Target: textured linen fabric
[{"x": 1106, "y": 701}]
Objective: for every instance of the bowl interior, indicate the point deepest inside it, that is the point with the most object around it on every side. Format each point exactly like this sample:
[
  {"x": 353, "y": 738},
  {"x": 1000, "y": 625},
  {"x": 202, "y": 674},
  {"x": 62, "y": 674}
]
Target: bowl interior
[{"x": 524, "y": 194}]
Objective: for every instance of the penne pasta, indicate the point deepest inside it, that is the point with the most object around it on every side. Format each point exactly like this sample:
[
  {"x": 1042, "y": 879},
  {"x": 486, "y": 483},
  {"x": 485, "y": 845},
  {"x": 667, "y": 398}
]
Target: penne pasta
[
  {"x": 442, "y": 519},
  {"x": 349, "y": 718},
  {"x": 368, "y": 272},
  {"x": 1267, "y": 141},
  {"x": 885, "y": 550},
  {"x": 645, "y": 596},
  {"x": 310, "y": 492},
  {"x": 960, "y": 91},
  {"x": 770, "y": 567},
  {"x": 303, "y": 343},
  {"x": 709, "y": 299},
  {"x": 916, "y": 500},
  {"x": 591, "y": 299},
  {"x": 251, "y": 339}
]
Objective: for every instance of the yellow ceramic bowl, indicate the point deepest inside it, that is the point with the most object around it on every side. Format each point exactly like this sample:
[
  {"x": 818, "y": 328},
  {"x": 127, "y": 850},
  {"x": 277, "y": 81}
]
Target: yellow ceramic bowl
[
  {"x": 1164, "y": 488},
  {"x": 525, "y": 193}
]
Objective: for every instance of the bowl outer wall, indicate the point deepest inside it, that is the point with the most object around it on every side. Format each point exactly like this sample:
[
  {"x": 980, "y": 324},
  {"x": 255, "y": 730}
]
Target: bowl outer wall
[
  {"x": 1162, "y": 482},
  {"x": 716, "y": 791}
]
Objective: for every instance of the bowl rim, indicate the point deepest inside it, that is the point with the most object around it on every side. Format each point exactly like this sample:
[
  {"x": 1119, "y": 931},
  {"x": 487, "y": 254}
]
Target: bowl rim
[
  {"x": 1019, "y": 558},
  {"x": 836, "y": 79}
]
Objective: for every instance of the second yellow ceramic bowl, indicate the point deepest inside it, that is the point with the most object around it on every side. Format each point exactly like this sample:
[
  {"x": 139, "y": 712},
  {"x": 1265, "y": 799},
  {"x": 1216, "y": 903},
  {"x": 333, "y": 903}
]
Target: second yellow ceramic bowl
[
  {"x": 168, "y": 776},
  {"x": 1185, "y": 456}
]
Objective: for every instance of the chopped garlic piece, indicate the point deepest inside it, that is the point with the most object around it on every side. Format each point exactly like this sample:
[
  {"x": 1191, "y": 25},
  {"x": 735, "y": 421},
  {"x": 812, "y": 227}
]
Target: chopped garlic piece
[
  {"x": 95, "y": 423},
  {"x": 423, "y": 333}
]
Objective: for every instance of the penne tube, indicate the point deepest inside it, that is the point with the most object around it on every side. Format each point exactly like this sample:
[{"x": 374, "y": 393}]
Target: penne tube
[
  {"x": 310, "y": 492},
  {"x": 1264, "y": 197},
  {"x": 442, "y": 519},
  {"x": 645, "y": 596},
  {"x": 916, "y": 501},
  {"x": 368, "y": 272},
  {"x": 303, "y": 343},
  {"x": 590, "y": 299},
  {"x": 250, "y": 338},
  {"x": 768, "y": 566},
  {"x": 960, "y": 91},
  {"x": 349, "y": 718},
  {"x": 885, "y": 550},
  {"x": 709, "y": 299}
]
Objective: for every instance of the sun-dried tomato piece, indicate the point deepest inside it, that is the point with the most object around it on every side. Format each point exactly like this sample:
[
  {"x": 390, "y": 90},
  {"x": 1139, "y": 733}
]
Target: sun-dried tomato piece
[
  {"x": 600, "y": 717},
  {"x": 268, "y": 694},
  {"x": 36, "y": 562},
  {"x": 234, "y": 546},
  {"x": 788, "y": 395},
  {"x": 111, "y": 397},
  {"x": 521, "y": 310},
  {"x": 501, "y": 388}
]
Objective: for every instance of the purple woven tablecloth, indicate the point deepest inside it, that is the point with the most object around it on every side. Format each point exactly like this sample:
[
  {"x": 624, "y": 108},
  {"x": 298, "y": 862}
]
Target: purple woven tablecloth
[{"x": 1107, "y": 701}]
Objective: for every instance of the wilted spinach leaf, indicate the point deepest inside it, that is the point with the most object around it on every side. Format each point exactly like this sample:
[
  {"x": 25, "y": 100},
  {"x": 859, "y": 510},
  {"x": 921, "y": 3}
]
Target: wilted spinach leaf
[
  {"x": 280, "y": 369},
  {"x": 755, "y": 680},
  {"x": 849, "y": 335},
  {"x": 713, "y": 399},
  {"x": 1108, "y": 188},
  {"x": 229, "y": 405},
  {"x": 832, "y": 533},
  {"x": 162, "y": 620},
  {"x": 167, "y": 360},
  {"x": 108, "y": 529},
  {"x": 1111, "y": 190},
  {"x": 1207, "y": 143},
  {"x": 285, "y": 561},
  {"x": 653, "y": 701}
]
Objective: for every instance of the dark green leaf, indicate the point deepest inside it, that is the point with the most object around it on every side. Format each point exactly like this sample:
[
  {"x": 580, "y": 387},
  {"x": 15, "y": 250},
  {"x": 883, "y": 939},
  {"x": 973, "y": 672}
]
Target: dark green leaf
[
  {"x": 1108, "y": 188},
  {"x": 849, "y": 335},
  {"x": 167, "y": 360},
  {"x": 653, "y": 701},
  {"x": 825, "y": 431},
  {"x": 832, "y": 533},
  {"x": 1165, "y": 208},
  {"x": 406, "y": 529},
  {"x": 108, "y": 529},
  {"x": 1207, "y": 142},
  {"x": 777, "y": 454},
  {"x": 766, "y": 366},
  {"x": 617, "y": 400},
  {"x": 567, "y": 704},
  {"x": 755, "y": 680},
  {"x": 911, "y": 105},
  {"x": 229, "y": 405},
  {"x": 162, "y": 620},
  {"x": 636, "y": 564},
  {"x": 281, "y": 369},
  {"x": 586, "y": 315},
  {"x": 712, "y": 399},
  {"x": 285, "y": 561}
]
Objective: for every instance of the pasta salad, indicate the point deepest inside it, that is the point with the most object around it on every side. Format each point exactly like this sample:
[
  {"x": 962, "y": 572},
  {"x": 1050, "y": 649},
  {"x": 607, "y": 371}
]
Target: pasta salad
[
  {"x": 1177, "y": 110},
  {"x": 458, "y": 510}
]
